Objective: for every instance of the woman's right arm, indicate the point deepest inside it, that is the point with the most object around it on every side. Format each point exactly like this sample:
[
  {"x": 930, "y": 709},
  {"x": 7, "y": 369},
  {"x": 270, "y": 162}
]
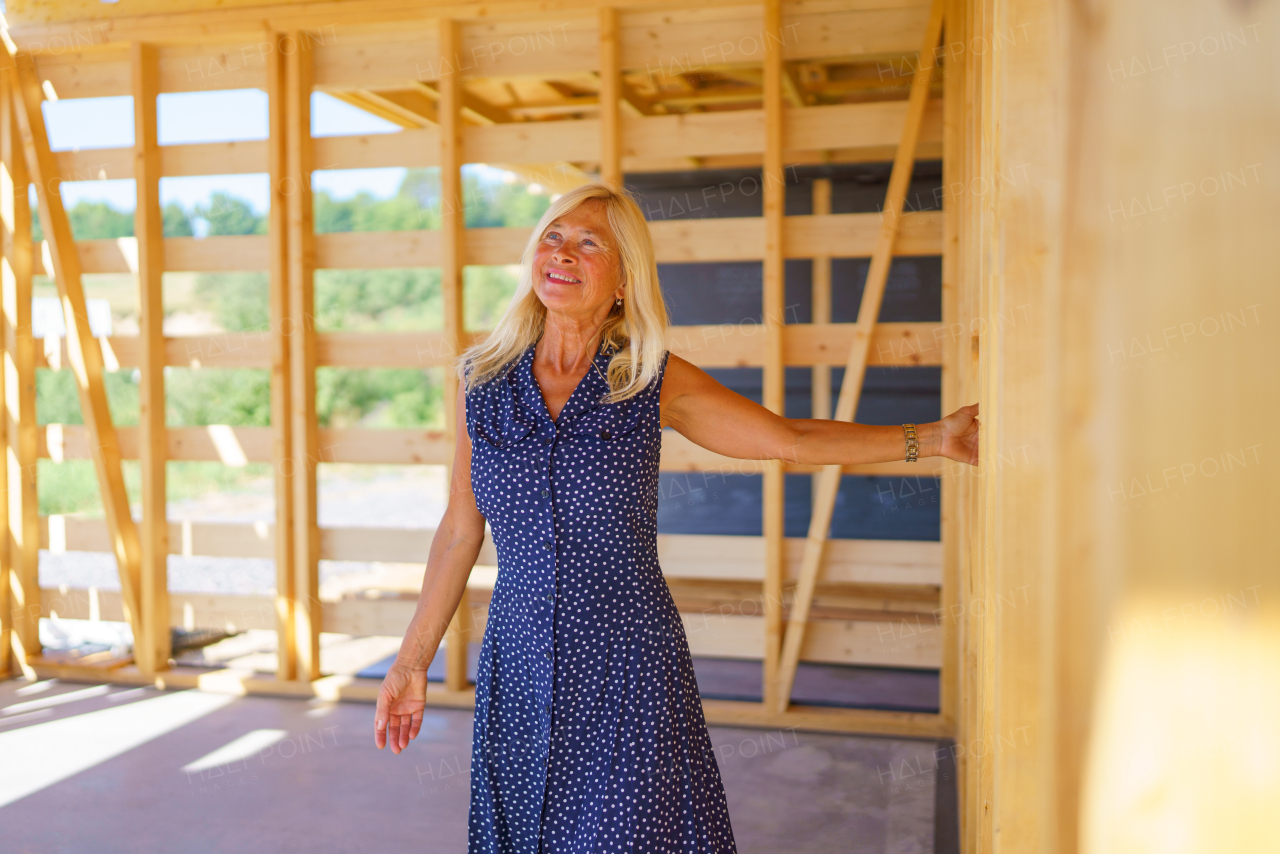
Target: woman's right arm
[{"x": 454, "y": 550}]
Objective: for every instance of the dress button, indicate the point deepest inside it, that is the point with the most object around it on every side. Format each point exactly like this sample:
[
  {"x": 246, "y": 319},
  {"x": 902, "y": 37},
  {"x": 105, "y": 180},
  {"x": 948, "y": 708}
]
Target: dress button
[
  {"x": 549, "y": 440},
  {"x": 547, "y": 652},
  {"x": 605, "y": 434},
  {"x": 551, "y": 597},
  {"x": 546, "y": 546},
  {"x": 545, "y": 493}
]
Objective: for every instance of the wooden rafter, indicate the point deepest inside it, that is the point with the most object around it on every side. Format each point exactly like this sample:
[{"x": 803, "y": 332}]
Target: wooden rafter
[
  {"x": 855, "y": 370},
  {"x": 83, "y": 349}
]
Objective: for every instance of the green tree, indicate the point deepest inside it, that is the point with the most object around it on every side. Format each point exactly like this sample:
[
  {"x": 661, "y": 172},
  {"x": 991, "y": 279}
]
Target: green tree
[
  {"x": 177, "y": 222},
  {"x": 229, "y": 215},
  {"x": 203, "y": 396}
]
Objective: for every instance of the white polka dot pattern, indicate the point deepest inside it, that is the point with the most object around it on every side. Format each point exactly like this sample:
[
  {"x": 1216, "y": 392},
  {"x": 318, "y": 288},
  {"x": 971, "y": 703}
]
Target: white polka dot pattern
[{"x": 589, "y": 734}]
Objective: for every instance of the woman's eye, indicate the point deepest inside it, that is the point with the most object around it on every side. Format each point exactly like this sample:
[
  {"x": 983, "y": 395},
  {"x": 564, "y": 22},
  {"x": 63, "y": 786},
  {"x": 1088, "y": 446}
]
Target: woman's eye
[{"x": 553, "y": 235}]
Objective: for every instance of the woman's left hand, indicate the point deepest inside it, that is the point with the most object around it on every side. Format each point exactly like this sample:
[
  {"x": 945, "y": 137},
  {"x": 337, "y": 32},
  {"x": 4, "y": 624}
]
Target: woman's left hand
[{"x": 960, "y": 435}]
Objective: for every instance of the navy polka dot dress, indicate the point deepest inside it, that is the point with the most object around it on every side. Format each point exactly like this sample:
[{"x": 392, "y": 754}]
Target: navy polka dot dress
[{"x": 589, "y": 734}]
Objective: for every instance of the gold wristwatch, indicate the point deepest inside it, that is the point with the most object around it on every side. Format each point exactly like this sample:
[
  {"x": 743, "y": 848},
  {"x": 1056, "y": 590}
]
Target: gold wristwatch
[{"x": 913, "y": 446}]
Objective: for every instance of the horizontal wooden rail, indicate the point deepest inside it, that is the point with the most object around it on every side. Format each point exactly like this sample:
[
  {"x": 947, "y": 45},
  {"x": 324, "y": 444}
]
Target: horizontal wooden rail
[
  {"x": 675, "y": 242},
  {"x": 735, "y": 713},
  {"x": 726, "y": 345},
  {"x": 651, "y": 143},
  {"x": 237, "y": 446},
  {"x": 891, "y": 641},
  {"x": 371, "y": 48},
  {"x": 683, "y": 556}
]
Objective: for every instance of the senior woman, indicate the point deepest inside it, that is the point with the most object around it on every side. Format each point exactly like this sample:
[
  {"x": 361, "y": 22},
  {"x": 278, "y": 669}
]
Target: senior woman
[{"x": 589, "y": 734}]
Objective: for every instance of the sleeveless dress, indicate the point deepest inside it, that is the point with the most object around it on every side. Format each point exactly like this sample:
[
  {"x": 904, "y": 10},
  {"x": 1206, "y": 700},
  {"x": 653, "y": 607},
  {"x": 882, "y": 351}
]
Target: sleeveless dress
[{"x": 589, "y": 734}]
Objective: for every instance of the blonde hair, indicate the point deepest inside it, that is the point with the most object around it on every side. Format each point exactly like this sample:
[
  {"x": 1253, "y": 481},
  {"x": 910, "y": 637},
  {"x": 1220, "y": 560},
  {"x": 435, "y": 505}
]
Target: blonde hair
[{"x": 635, "y": 330}]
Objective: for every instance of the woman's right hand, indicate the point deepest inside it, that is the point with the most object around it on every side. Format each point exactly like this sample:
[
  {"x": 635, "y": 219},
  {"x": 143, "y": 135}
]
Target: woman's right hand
[{"x": 400, "y": 704}]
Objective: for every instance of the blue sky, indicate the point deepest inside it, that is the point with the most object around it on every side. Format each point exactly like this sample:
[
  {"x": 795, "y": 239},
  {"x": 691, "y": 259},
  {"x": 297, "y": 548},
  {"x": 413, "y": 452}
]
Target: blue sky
[{"x": 220, "y": 116}]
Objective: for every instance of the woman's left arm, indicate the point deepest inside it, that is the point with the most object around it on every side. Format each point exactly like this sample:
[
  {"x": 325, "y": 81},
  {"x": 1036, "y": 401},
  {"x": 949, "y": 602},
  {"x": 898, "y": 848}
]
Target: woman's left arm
[{"x": 721, "y": 420}]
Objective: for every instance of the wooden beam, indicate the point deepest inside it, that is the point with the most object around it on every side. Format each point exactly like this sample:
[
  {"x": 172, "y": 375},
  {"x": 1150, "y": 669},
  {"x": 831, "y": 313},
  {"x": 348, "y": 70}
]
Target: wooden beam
[
  {"x": 284, "y": 320},
  {"x": 19, "y": 621},
  {"x": 355, "y": 689},
  {"x": 720, "y": 345},
  {"x": 610, "y": 99},
  {"x": 675, "y": 242},
  {"x": 383, "y": 45},
  {"x": 304, "y": 440},
  {"x": 237, "y": 446},
  {"x": 84, "y": 351},
  {"x": 855, "y": 370},
  {"x": 774, "y": 308},
  {"x": 452, "y": 259},
  {"x": 730, "y": 238},
  {"x": 888, "y": 567},
  {"x": 732, "y": 139},
  {"x": 879, "y": 638},
  {"x": 820, "y": 286},
  {"x": 152, "y": 649},
  {"x": 959, "y": 362}
]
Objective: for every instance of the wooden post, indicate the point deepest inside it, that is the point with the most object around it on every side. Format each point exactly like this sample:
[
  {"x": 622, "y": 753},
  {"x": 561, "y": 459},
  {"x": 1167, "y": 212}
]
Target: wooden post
[
  {"x": 283, "y": 320},
  {"x": 774, "y": 371},
  {"x": 610, "y": 99},
  {"x": 855, "y": 370},
  {"x": 20, "y": 620},
  {"x": 151, "y": 650},
  {"x": 305, "y": 436},
  {"x": 821, "y": 290},
  {"x": 84, "y": 351},
  {"x": 977, "y": 725},
  {"x": 452, "y": 262},
  {"x": 957, "y": 371}
]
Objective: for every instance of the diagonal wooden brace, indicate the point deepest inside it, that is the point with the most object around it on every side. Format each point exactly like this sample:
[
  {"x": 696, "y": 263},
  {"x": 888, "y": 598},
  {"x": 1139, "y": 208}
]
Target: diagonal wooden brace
[
  {"x": 84, "y": 351},
  {"x": 856, "y": 368}
]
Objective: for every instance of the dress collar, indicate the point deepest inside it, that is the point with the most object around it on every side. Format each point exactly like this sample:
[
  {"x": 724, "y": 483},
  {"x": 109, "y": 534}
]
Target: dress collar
[{"x": 586, "y": 397}]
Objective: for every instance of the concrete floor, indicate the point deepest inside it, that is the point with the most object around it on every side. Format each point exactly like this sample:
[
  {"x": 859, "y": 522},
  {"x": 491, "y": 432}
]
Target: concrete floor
[{"x": 110, "y": 769}]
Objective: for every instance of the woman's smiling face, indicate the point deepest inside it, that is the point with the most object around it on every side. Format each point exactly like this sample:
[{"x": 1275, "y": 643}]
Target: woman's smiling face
[{"x": 576, "y": 268}]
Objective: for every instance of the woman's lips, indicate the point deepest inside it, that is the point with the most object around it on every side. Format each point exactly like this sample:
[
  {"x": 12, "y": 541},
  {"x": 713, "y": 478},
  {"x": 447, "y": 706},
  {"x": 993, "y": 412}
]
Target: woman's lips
[{"x": 562, "y": 278}]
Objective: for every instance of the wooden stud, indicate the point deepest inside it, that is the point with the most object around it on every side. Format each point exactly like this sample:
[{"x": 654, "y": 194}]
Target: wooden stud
[
  {"x": 283, "y": 320},
  {"x": 9, "y": 581},
  {"x": 977, "y": 724},
  {"x": 83, "y": 349},
  {"x": 305, "y": 443},
  {"x": 774, "y": 305},
  {"x": 152, "y": 650},
  {"x": 21, "y": 584},
  {"x": 452, "y": 262},
  {"x": 821, "y": 290},
  {"x": 954, "y": 364},
  {"x": 7, "y": 577},
  {"x": 610, "y": 99},
  {"x": 855, "y": 370}
]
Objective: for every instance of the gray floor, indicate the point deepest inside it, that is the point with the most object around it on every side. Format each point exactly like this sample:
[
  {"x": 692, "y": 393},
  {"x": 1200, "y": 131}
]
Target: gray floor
[{"x": 101, "y": 769}]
